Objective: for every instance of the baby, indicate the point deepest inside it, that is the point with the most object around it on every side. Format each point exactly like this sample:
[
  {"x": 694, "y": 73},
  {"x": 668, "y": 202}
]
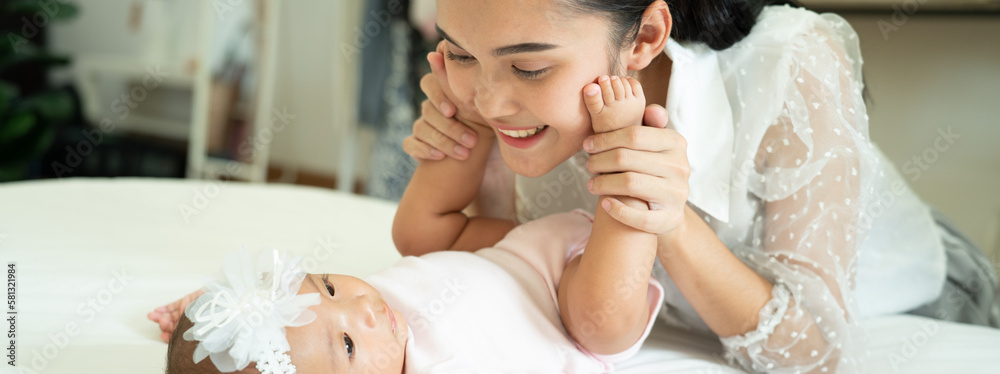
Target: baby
[{"x": 565, "y": 293}]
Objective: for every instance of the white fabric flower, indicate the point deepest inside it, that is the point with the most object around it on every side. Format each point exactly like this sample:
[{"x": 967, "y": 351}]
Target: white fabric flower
[{"x": 242, "y": 316}]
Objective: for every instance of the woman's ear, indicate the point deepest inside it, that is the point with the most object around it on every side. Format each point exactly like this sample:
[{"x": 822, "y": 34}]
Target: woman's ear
[{"x": 653, "y": 35}]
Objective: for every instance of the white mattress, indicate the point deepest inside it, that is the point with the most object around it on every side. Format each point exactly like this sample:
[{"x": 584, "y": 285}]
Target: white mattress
[{"x": 68, "y": 238}]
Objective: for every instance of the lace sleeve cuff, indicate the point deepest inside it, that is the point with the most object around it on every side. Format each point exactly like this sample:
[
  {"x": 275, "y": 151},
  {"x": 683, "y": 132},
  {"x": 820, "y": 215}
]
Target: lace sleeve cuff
[{"x": 770, "y": 316}]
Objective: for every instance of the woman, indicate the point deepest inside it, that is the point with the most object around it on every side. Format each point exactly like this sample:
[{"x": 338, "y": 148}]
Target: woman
[{"x": 779, "y": 224}]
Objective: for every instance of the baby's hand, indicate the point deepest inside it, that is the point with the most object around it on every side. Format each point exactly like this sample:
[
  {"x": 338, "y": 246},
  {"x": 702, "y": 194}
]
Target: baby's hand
[
  {"x": 168, "y": 315},
  {"x": 614, "y": 103}
]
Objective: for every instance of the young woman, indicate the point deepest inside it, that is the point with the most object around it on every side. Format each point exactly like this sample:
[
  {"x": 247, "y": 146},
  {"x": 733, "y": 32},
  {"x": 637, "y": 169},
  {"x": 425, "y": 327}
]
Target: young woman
[{"x": 779, "y": 226}]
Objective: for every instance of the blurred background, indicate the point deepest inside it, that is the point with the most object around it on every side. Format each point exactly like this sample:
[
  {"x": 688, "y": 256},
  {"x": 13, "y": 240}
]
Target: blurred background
[{"x": 321, "y": 93}]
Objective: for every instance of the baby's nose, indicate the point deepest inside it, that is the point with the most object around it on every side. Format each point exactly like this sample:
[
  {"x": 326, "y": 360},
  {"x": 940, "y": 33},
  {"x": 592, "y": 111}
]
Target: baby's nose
[{"x": 369, "y": 311}]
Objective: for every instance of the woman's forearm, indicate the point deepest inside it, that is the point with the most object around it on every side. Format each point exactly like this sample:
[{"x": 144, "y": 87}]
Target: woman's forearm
[
  {"x": 430, "y": 217},
  {"x": 727, "y": 294}
]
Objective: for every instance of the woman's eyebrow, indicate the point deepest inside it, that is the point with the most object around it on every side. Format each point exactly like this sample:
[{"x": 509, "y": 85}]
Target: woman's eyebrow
[{"x": 508, "y": 50}]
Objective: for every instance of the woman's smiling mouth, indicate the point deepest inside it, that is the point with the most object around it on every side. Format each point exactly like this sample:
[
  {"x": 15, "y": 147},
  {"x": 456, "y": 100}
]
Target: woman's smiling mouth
[
  {"x": 522, "y": 139},
  {"x": 517, "y": 134}
]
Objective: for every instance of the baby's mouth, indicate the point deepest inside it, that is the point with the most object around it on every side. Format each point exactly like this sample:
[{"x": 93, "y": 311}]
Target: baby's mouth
[
  {"x": 392, "y": 318},
  {"x": 520, "y": 134}
]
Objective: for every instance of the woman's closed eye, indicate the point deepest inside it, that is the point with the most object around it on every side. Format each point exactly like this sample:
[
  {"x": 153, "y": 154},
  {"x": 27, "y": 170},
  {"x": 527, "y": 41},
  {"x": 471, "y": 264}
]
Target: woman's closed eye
[
  {"x": 529, "y": 74},
  {"x": 462, "y": 59},
  {"x": 522, "y": 73}
]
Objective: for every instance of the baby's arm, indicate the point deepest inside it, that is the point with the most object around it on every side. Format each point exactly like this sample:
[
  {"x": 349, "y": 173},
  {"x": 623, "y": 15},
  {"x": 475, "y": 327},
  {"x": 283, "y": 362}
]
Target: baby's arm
[
  {"x": 430, "y": 217},
  {"x": 603, "y": 292}
]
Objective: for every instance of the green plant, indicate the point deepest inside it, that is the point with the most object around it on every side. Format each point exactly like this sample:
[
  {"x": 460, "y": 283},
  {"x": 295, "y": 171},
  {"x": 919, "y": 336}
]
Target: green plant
[{"x": 29, "y": 112}]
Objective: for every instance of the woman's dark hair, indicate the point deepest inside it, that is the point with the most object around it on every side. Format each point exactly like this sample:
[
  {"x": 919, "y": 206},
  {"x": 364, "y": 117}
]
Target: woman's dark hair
[{"x": 717, "y": 23}]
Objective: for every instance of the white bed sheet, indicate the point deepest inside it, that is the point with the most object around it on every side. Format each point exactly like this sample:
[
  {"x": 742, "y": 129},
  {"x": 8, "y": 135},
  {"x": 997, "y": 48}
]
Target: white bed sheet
[{"x": 69, "y": 237}]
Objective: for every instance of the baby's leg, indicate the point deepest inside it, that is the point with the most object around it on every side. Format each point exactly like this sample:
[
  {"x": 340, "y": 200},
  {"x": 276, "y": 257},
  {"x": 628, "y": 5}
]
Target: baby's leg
[{"x": 614, "y": 103}]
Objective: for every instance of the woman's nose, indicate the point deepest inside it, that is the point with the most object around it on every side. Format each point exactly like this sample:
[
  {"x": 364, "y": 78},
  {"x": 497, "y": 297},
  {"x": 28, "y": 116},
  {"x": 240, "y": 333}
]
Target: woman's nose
[{"x": 493, "y": 101}]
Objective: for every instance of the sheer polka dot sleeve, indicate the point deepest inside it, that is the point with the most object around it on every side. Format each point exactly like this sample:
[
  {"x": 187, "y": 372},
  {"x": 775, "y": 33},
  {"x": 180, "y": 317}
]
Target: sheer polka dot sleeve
[{"x": 812, "y": 176}]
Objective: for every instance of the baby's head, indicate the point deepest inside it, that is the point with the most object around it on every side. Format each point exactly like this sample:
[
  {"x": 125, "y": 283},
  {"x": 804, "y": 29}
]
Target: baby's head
[{"x": 353, "y": 329}]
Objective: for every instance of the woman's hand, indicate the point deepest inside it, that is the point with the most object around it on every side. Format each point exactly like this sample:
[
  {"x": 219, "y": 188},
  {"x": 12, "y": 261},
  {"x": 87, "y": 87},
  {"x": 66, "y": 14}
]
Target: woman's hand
[
  {"x": 441, "y": 131},
  {"x": 646, "y": 162},
  {"x": 167, "y": 316}
]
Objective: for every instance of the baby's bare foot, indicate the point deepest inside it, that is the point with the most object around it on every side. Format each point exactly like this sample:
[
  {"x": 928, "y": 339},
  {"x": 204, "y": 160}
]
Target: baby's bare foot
[{"x": 614, "y": 103}]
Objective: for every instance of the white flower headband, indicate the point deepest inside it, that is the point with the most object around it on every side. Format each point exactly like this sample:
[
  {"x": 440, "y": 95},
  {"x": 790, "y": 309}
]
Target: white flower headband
[{"x": 242, "y": 316}]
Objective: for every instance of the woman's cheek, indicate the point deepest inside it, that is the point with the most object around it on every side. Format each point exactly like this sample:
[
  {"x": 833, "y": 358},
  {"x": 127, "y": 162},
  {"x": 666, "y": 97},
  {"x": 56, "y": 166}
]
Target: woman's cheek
[
  {"x": 460, "y": 80},
  {"x": 565, "y": 109}
]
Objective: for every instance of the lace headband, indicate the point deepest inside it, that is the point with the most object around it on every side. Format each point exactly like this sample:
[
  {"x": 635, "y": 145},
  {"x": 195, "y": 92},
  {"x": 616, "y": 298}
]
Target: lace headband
[{"x": 242, "y": 316}]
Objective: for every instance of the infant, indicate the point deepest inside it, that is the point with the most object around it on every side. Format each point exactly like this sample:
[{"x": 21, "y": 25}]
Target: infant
[{"x": 494, "y": 310}]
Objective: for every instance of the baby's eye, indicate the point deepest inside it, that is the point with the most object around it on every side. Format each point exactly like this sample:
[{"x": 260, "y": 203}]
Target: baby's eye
[
  {"x": 349, "y": 345},
  {"x": 326, "y": 282}
]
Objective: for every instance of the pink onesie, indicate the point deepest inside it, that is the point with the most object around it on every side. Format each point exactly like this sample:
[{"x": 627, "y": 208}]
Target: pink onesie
[{"x": 496, "y": 311}]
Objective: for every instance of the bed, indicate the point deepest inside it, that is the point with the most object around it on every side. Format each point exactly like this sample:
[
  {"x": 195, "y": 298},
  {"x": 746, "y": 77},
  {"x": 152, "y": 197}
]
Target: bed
[{"x": 94, "y": 255}]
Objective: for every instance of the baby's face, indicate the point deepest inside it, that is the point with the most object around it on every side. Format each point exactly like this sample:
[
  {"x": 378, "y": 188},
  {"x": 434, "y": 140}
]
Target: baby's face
[
  {"x": 354, "y": 331},
  {"x": 523, "y": 65}
]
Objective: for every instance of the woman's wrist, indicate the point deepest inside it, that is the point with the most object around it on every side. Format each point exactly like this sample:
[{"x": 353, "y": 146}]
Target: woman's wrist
[{"x": 670, "y": 242}]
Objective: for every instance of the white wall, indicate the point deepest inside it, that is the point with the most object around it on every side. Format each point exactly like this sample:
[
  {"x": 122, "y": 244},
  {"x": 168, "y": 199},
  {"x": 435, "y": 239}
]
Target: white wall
[
  {"x": 939, "y": 72},
  {"x": 310, "y": 34}
]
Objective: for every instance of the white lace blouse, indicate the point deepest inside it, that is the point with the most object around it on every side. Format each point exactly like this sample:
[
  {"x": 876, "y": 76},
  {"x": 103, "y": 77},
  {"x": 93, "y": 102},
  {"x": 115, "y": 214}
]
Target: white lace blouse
[{"x": 784, "y": 173}]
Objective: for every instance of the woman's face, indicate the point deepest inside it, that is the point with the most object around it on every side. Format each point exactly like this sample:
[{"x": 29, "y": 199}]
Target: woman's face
[
  {"x": 355, "y": 329},
  {"x": 523, "y": 64}
]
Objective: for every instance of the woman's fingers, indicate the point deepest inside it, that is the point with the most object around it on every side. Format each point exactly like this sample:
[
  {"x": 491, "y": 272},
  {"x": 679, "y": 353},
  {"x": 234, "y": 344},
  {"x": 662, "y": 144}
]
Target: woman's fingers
[
  {"x": 651, "y": 221},
  {"x": 640, "y": 186},
  {"x": 431, "y": 85},
  {"x": 654, "y": 116},
  {"x": 620, "y": 160},
  {"x": 450, "y": 127},
  {"x": 420, "y": 151},
  {"x": 640, "y": 138},
  {"x": 444, "y": 134},
  {"x": 426, "y": 133}
]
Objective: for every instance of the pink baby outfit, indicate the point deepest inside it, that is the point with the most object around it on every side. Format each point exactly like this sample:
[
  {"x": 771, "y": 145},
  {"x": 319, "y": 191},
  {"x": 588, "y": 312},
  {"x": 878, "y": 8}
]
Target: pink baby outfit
[{"x": 496, "y": 311}]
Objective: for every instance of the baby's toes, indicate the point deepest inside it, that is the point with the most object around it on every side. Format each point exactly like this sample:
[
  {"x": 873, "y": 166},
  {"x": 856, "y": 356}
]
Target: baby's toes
[
  {"x": 607, "y": 89},
  {"x": 635, "y": 88},
  {"x": 618, "y": 84},
  {"x": 593, "y": 99}
]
